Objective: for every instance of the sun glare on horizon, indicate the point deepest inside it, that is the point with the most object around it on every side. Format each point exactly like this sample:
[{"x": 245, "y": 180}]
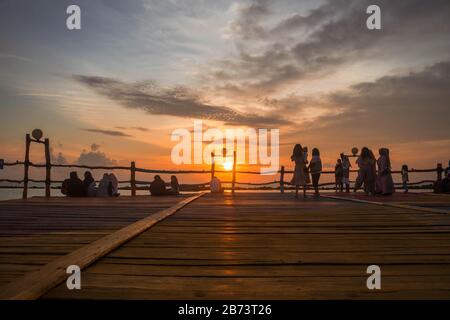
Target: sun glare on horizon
[{"x": 228, "y": 165}]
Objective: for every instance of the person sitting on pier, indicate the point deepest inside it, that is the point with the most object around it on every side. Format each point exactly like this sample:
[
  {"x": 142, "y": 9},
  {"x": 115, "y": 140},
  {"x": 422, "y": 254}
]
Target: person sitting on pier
[
  {"x": 315, "y": 167},
  {"x": 73, "y": 187},
  {"x": 114, "y": 185},
  {"x": 158, "y": 187},
  {"x": 366, "y": 173},
  {"x": 105, "y": 186},
  {"x": 384, "y": 183},
  {"x": 174, "y": 186},
  {"x": 338, "y": 174},
  {"x": 299, "y": 178},
  {"x": 215, "y": 185},
  {"x": 89, "y": 185}
]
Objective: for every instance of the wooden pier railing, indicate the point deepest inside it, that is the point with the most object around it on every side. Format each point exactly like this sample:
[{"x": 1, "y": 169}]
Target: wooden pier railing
[
  {"x": 37, "y": 135},
  {"x": 135, "y": 184}
]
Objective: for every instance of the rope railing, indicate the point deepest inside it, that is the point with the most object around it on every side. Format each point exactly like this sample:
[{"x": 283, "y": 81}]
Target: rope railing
[
  {"x": 138, "y": 183},
  {"x": 135, "y": 184}
]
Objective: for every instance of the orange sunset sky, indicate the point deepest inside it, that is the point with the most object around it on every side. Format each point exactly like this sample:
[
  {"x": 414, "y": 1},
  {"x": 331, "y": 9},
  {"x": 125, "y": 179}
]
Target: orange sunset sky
[{"x": 114, "y": 91}]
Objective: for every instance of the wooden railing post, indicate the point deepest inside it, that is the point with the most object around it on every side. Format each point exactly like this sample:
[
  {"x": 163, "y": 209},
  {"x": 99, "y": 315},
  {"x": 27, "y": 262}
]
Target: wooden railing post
[
  {"x": 233, "y": 182},
  {"x": 133, "y": 178},
  {"x": 48, "y": 166},
  {"x": 212, "y": 165},
  {"x": 282, "y": 179},
  {"x": 26, "y": 166}
]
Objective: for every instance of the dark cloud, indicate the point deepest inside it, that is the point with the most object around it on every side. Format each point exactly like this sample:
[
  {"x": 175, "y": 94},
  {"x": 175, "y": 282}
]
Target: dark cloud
[
  {"x": 315, "y": 44},
  {"x": 177, "y": 101},
  {"x": 133, "y": 128},
  {"x": 248, "y": 23},
  {"x": 410, "y": 107},
  {"x": 113, "y": 133}
]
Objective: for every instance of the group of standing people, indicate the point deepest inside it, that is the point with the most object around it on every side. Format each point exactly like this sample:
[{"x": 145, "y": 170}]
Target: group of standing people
[
  {"x": 303, "y": 169},
  {"x": 342, "y": 173},
  {"x": 374, "y": 175},
  {"x": 75, "y": 187},
  {"x": 374, "y": 181}
]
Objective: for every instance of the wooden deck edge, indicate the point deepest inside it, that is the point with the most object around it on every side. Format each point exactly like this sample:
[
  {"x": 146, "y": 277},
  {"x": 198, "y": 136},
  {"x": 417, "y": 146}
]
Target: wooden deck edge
[
  {"x": 35, "y": 284},
  {"x": 386, "y": 204}
]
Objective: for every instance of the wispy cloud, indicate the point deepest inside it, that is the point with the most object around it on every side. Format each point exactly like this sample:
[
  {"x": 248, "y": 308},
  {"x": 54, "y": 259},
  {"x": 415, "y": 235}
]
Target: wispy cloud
[
  {"x": 113, "y": 133},
  {"x": 133, "y": 128},
  {"x": 178, "y": 101},
  {"x": 14, "y": 57}
]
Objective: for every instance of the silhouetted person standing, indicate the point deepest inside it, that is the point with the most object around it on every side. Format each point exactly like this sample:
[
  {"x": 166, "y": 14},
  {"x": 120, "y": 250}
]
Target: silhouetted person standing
[
  {"x": 73, "y": 187},
  {"x": 299, "y": 172},
  {"x": 315, "y": 166},
  {"x": 367, "y": 171},
  {"x": 338, "y": 174},
  {"x": 385, "y": 183},
  {"x": 405, "y": 177},
  {"x": 346, "y": 172}
]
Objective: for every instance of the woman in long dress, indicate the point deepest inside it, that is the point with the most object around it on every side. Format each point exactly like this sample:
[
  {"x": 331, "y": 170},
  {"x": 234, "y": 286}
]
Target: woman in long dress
[
  {"x": 385, "y": 183},
  {"x": 366, "y": 172},
  {"x": 299, "y": 172}
]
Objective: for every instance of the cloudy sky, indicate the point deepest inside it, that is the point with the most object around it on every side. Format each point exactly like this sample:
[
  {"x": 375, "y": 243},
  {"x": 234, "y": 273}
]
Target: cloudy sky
[{"x": 114, "y": 91}]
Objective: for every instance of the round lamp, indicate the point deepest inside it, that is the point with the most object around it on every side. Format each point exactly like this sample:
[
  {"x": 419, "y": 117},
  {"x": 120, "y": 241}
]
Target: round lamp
[{"x": 37, "y": 134}]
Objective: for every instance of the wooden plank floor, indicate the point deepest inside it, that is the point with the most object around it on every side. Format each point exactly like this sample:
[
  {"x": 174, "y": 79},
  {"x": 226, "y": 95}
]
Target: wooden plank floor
[
  {"x": 427, "y": 200},
  {"x": 38, "y": 230},
  {"x": 270, "y": 246}
]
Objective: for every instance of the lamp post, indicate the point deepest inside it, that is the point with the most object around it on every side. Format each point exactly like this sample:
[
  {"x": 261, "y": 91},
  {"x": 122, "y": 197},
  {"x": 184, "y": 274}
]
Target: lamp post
[{"x": 37, "y": 136}]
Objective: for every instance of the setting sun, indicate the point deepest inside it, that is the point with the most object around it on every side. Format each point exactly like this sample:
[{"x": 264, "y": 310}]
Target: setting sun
[{"x": 228, "y": 165}]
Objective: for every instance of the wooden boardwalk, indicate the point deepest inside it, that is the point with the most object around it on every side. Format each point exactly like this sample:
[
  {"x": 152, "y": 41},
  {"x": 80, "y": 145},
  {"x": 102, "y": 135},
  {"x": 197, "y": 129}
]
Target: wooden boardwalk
[
  {"x": 253, "y": 245},
  {"x": 36, "y": 231}
]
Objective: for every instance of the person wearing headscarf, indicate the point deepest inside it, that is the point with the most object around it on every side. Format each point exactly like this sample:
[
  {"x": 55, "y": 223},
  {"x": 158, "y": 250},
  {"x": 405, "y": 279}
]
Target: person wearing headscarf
[
  {"x": 105, "y": 187},
  {"x": 366, "y": 172},
  {"x": 114, "y": 185},
  {"x": 385, "y": 183},
  {"x": 174, "y": 186},
  {"x": 215, "y": 185},
  {"x": 89, "y": 185},
  {"x": 299, "y": 172}
]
